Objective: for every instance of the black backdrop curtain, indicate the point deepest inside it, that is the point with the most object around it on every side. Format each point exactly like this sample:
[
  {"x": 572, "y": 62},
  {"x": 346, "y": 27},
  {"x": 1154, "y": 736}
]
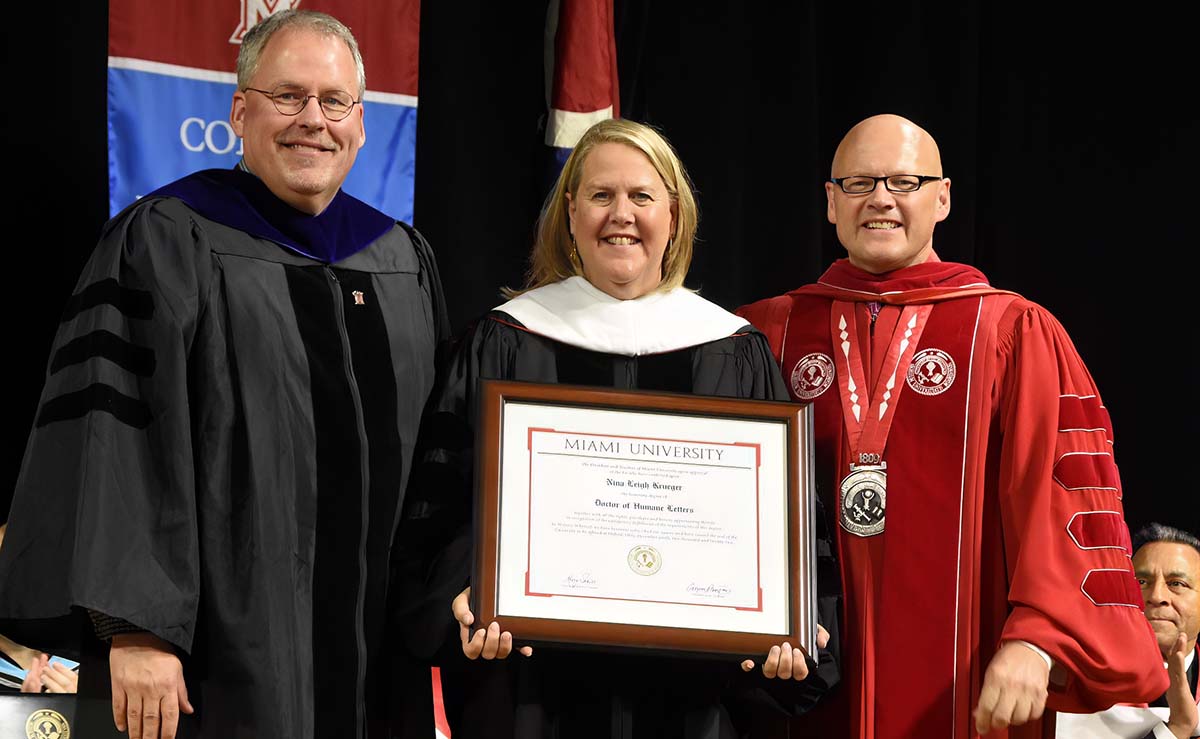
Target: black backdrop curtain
[{"x": 1062, "y": 130}]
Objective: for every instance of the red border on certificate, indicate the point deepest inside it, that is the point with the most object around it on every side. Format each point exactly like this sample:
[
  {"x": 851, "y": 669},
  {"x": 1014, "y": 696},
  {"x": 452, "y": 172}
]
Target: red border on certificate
[{"x": 757, "y": 520}]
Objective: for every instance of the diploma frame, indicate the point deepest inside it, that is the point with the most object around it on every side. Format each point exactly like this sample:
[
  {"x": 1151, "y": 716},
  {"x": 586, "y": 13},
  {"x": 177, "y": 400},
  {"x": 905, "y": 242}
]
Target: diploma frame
[{"x": 794, "y": 619}]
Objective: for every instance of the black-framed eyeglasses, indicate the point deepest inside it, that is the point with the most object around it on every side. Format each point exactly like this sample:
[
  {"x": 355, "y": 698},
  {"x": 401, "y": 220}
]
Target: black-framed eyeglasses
[
  {"x": 290, "y": 100},
  {"x": 863, "y": 184}
]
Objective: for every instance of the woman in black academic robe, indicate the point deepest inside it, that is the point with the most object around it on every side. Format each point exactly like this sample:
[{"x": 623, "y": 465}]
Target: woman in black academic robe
[{"x": 604, "y": 307}]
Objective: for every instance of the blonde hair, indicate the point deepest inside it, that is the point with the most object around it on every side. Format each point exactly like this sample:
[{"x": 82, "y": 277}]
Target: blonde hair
[{"x": 551, "y": 259}]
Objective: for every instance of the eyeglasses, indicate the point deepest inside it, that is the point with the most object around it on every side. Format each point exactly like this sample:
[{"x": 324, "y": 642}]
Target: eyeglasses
[
  {"x": 863, "y": 184},
  {"x": 289, "y": 100}
]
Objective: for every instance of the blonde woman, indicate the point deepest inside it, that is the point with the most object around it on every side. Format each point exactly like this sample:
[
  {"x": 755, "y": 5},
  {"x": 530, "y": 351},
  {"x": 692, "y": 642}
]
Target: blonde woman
[{"x": 604, "y": 305}]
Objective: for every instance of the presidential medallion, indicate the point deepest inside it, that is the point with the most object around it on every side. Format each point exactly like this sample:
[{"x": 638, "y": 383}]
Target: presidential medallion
[{"x": 864, "y": 498}]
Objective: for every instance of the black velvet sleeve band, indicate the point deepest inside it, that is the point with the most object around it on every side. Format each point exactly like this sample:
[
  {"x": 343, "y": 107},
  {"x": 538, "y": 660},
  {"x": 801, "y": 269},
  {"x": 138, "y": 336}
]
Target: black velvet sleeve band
[{"x": 107, "y": 626}]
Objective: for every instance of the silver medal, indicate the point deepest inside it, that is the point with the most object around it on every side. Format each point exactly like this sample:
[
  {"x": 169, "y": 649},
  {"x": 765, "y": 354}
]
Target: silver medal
[{"x": 864, "y": 499}]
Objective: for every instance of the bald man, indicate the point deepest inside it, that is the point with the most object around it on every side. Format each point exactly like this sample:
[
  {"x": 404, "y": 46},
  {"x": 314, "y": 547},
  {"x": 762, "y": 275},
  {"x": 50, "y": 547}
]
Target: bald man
[{"x": 984, "y": 555}]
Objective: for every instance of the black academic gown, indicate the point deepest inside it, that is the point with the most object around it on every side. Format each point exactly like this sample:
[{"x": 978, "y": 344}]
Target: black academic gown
[
  {"x": 221, "y": 448},
  {"x": 568, "y": 693}
]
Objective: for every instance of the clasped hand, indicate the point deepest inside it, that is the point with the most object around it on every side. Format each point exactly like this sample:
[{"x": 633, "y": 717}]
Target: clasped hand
[
  {"x": 1014, "y": 688},
  {"x": 1184, "y": 711},
  {"x": 50, "y": 677}
]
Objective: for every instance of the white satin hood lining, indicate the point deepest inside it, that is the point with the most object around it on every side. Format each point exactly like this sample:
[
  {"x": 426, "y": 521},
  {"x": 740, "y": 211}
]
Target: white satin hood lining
[{"x": 577, "y": 313}]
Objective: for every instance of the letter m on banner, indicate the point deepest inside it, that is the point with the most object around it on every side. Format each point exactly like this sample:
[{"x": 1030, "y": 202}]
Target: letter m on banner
[
  {"x": 171, "y": 78},
  {"x": 254, "y": 11}
]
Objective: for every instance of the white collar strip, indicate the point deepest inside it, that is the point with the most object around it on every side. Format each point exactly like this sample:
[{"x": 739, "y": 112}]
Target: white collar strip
[{"x": 577, "y": 313}]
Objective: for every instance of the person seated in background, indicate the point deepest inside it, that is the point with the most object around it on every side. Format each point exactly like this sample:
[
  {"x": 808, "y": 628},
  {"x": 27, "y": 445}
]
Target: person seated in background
[
  {"x": 604, "y": 305},
  {"x": 39, "y": 673},
  {"x": 42, "y": 674},
  {"x": 1167, "y": 567}
]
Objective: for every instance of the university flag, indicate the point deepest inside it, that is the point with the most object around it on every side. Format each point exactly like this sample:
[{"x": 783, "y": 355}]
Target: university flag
[
  {"x": 581, "y": 72},
  {"x": 171, "y": 80}
]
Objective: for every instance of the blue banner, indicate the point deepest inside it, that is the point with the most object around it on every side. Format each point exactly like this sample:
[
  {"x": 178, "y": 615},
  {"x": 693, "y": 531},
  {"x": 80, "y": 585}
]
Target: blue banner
[{"x": 162, "y": 127}]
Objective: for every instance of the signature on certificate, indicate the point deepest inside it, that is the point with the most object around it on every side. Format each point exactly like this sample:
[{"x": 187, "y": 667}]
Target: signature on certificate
[{"x": 709, "y": 590}]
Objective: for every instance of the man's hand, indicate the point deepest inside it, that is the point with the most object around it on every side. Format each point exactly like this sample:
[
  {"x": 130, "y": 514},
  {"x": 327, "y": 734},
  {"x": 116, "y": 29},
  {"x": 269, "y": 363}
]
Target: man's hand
[
  {"x": 1184, "y": 713},
  {"x": 147, "y": 686},
  {"x": 786, "y": 662},
  {"x": 53, "y": 678},
  {"x": 489, "y": 643},
  {"x": 33, "y": 677},
  {"x": 1014, "y": 689}
]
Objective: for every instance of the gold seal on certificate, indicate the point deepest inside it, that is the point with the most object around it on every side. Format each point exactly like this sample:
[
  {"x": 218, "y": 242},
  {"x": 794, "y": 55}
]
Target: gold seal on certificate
[
  {"x": 644, "y": 560},
  {"x": 612, "y": 517}
]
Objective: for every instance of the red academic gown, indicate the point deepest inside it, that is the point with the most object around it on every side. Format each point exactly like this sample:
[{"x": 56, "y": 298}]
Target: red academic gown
[{"x": 1003, "y": 515}]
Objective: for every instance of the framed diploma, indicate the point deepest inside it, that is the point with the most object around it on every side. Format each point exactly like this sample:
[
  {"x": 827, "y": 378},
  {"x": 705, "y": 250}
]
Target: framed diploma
[{"x": 636, "y": 520}]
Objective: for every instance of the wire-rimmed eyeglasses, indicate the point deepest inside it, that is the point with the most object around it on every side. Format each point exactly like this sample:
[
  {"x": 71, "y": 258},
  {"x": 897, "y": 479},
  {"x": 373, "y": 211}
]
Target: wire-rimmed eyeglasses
[{"x": 289, "y": 100}]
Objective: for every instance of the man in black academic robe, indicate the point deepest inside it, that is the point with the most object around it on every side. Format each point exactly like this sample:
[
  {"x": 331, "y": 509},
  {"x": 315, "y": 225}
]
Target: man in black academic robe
[{"x": 216, "y": 468}]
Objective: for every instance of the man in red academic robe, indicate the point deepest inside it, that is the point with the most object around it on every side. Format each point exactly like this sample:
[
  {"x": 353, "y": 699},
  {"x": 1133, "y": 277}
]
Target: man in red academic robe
[{"x": 962, "y": 442}]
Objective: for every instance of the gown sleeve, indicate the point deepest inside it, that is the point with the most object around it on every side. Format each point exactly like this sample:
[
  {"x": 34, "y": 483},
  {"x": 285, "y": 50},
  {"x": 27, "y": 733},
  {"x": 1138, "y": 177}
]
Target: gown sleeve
[
  {"x": 758, "y": 368},
  {"x": 760, "y": 379},
  {"x": 434, "y": 545},
  {"x": 431, "y": 282},
  {"x": 1067, "y": 548},
  {"x": 104, "y": 515}
]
